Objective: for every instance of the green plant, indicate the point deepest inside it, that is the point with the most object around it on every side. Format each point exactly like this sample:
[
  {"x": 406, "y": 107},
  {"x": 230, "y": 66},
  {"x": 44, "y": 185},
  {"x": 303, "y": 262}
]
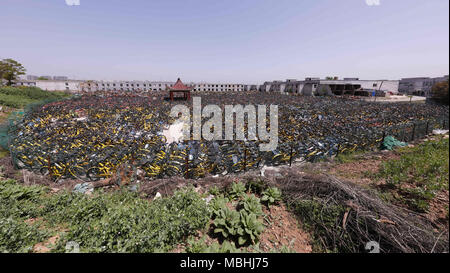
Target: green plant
[
  {"x": 236, "y": 190},
  {"x": 251, "y": 228},
  {"x": 271, "y": 196},
  {"x": 251, "y": 204},
  {"x": 217, "y": 203},
  {"x": 103, "y": 222},
  {"x": 418, "y": 174},
  {"x": 214, "y": 190},
  {"x": 200, "y": 246},
  {"x": 18, "y": 236},
  {"x": 225, "y": 247},
  {"x": 227, "y": 222},
  {"x": 256, "y": 186}
]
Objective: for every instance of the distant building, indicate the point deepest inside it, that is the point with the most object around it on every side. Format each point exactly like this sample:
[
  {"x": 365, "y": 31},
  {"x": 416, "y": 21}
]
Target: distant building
[
  {"x": 313, "y": 86},
  {"x": 60, "y": 78},
  {"x": 420, "y": 86},
  {"x": 31, "y": 78}
]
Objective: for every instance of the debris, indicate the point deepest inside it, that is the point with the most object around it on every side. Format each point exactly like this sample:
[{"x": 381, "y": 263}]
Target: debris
[
  {"x": 391, "y": 142},
  {"x": 440, "y": 132},
  {"x": 86, "y": 188},
  {"x": 158, "y": 195}
]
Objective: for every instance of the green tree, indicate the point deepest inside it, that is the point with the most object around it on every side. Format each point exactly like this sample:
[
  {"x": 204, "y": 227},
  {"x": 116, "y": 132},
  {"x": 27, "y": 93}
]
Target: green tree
[
  {"x": 42, "y": 79},
  {"x": 10, "y": 70},
  {"x": 440, "y": 91}
]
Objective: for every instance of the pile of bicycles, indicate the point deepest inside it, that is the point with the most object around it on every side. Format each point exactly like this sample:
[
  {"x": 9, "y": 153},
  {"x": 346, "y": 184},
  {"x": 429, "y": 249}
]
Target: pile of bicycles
[{"x": 91, "y": 136}]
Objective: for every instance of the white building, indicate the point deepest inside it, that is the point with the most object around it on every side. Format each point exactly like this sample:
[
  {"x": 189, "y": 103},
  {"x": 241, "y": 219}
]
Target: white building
[{"x": 312, "y": 86}]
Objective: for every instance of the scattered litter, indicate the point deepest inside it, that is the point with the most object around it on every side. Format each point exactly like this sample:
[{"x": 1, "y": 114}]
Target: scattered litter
[
  {"x": 391, "y": 142},
  {"x": 133, "y": 188},
  {"x": 158, "y": 195},
  {"x": 271, "y": 170},
  {"x": 209, "y": 198},
  {"x": 440, "y": 132},
  {"x": 86, "y": 188}
]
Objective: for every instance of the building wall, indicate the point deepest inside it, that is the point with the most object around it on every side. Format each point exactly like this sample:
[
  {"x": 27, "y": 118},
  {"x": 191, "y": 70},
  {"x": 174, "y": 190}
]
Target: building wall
[
  {"x": 69, "y": 85},
  {"x": 420, "y": 85},
  {"x": 309, "y": 86},
  {"x": 219, "y": 87}
]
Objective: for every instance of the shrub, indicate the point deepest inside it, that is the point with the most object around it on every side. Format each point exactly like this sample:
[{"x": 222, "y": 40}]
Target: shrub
[
  {"x": 103, "y": 222},
  {"x": 237, "y": 190},
  {"x": 251, "y": 228},
  {"x": 227, "y": 222},
  {"x": 271, "y": 196},
  {"x": 251, "y": 204}
]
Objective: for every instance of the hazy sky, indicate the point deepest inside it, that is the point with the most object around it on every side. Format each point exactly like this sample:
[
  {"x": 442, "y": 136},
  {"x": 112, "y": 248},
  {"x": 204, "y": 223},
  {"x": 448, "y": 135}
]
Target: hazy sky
[{"x": 248, "y": 41}]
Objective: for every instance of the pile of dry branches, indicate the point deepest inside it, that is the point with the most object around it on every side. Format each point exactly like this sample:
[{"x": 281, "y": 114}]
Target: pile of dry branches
[{"x": 363, "y": 216}]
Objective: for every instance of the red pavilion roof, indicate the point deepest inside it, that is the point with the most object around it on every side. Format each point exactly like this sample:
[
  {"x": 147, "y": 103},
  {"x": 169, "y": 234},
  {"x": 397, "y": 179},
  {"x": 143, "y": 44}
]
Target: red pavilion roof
[{"x": 179, "y": 86}]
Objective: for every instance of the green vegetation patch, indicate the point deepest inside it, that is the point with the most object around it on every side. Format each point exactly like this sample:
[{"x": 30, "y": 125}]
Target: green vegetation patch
[
  {"x": 103, "y": 222},
  {"x": 419, "y": 174},
  {"x": 19, "y": 97}
]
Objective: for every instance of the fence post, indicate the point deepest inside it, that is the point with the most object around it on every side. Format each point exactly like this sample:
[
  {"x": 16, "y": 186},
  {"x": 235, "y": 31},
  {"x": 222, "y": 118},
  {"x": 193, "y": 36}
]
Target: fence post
[
  {"x": 186, "y": 166},
  {"x": 413, "y": 131},
  {"x": 426, "y": 130},
  {"x": 290, "y": 156},
  {"x": 245, "y": 159},
  {"x": 384, "y": 136},
  {"x": 50, "y": 172}
]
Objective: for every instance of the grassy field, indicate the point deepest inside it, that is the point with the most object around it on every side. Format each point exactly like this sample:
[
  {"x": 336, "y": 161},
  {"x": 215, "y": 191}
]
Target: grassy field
[{"x": 19, "y": 97}]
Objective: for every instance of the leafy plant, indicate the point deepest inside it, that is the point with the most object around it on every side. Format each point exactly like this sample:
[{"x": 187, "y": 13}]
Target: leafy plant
[
  {"x": 227, "y": 222},
  {"x": 18, "y": 236},
  {"x": 271, "y": 196},
  {"x": 251, "y": 204},
  {"x": 214, "y": 190},
  {"x": 104, "y": 222},
  {"x": 217, "y": 203},
  {"x": 225, "y": 247},
  {"x": 251, "y": 228},
  {"x": 256, "y": 186},
  {"x": 237, "y": 190},
  {"x": 200, "y": 246}
]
